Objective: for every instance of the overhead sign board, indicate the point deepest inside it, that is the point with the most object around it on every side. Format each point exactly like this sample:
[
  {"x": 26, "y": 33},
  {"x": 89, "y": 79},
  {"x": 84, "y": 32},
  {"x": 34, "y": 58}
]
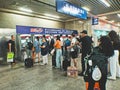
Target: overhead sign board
[
  {"x": 95, "y": 21},
  {"x": 70, "y": 9},
  {"x": 41, "y": 30}
]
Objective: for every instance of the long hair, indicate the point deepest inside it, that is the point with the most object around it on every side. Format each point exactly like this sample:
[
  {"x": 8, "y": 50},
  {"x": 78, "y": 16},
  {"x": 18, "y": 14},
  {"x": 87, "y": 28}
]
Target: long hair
[
  {"x": 37, "y": 38},
  {"x": 114, "y": 37},
  {"x": 106, "y": 46},
  {"x": 58, "y": 38}
]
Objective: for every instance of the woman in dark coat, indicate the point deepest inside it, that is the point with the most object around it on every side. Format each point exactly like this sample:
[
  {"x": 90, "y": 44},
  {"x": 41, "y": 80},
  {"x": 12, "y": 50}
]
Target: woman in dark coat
[{"x": 105, "y": 48}]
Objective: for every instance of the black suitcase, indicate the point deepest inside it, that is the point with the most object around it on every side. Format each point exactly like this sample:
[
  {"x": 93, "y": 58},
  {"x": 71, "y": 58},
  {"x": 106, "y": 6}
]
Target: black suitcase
[
  {"x": 66, "y": 63},
  {"x": 28, "y": 62}
]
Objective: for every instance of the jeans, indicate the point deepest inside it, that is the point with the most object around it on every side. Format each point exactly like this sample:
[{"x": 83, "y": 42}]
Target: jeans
[
  {"x": 29, "y": 53},
  {"x": 58, "y": 57}
]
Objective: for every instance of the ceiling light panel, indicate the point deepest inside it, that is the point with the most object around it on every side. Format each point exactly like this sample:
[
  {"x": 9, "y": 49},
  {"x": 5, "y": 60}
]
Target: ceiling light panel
[
  {"x": 105, "y": 3},
  {"x": 86, "y": 8},
  {"x": 118, "y": 15},
  {"x": 50, "y": 15}
]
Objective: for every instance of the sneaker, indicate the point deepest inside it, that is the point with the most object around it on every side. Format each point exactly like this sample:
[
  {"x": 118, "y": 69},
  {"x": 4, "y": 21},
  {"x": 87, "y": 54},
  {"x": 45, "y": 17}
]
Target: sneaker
[
  {"x": 111, "y": 78},
  {"x": 118, "y": 76}
]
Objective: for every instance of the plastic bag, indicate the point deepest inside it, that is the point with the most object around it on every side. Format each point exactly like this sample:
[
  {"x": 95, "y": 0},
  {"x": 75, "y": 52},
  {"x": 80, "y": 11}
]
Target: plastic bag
[{"x": 96, "y": 74}]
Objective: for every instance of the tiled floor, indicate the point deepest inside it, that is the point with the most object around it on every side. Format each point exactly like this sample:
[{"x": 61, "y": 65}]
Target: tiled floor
[{"x": 43, "y": 78}]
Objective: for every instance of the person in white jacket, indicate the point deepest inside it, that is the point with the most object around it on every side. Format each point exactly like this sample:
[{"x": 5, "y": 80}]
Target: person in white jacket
[{"x": 114, "y": 60}]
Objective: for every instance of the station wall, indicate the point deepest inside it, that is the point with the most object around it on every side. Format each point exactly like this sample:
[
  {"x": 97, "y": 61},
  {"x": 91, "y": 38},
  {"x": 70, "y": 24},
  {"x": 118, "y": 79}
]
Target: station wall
[{"x": 9, "y": 20}]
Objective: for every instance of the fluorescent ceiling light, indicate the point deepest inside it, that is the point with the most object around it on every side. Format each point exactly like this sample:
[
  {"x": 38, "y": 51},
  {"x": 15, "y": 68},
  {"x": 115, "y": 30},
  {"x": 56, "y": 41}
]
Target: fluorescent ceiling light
[
  {"x": 50, "y": 15},
  {"x": 118, "y": 15},
  {"x": 105, "y": 2},
  {"x": 25, "y": 9},
  {"x": 87, "y": 9}
]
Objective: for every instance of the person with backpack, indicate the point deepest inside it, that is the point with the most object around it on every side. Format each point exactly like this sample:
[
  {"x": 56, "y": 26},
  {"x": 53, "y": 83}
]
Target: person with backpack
[
  {"x": 73, "y": 50},
  {"x": 99, "y": 57},
  {"x": 86, "y": 44},
  {"x": 67, "y": 42}
]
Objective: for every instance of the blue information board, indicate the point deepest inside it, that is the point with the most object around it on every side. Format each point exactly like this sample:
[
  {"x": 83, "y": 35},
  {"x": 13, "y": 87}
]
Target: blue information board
[
  {"x": 41, "y": 30},
  {"x": 70, "y": 9},
  {"x": 95, "y": 21}
]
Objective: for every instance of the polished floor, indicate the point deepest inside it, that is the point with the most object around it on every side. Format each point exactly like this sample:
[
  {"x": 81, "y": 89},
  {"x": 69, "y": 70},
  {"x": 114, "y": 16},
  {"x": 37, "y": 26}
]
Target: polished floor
[{"x": 43, "y": 78}]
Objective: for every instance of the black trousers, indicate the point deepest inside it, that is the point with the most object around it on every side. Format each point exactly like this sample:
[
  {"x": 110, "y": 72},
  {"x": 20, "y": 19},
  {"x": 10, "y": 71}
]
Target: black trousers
[
  {"x": 13, "y": 59},
  {"x": 83, "y": 62},
  {"x": 102, "y": 83}
]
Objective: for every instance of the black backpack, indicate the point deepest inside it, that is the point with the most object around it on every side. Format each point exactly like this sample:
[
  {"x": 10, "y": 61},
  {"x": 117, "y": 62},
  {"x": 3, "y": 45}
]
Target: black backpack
[
  {"x": 99, "y": 59},
  {"x": 30, "y": 45}
]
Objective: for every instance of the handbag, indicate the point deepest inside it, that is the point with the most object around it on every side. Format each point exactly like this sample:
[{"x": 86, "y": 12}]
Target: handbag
[
  {"x": 52, "y": 51},
  {"x": 10, "y": 56}
]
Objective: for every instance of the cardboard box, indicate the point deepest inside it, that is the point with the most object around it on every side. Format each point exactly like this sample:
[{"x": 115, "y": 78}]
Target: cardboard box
[{"x": 72, "y": 71}]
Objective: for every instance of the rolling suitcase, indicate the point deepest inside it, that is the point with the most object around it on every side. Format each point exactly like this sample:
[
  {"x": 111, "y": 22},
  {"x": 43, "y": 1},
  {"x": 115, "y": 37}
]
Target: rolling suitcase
[
  {"x": 66, "y": 61},
  {"x": 28, "y": 62}
]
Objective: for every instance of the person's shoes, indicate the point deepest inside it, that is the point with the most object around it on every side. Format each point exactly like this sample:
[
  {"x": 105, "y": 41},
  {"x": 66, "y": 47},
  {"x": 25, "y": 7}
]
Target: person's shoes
[
  {"x": 42, "y": 64},
  {"x": 45, "y": 63},
  {"x": 57, "y": 68},
  {"x": 80, "y": 74},
  {"x": 118, "y": 76},
  {"x": 111, "y": 78},
  {"x": 53, "y": 66}
]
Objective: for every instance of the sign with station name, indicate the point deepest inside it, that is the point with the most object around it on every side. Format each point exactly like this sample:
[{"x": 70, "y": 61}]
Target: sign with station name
[{"x": 70, "y": 9}]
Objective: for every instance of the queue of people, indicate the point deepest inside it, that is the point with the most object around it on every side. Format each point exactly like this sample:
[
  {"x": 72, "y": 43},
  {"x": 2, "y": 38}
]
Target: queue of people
[{"x": 109, "y": 45}]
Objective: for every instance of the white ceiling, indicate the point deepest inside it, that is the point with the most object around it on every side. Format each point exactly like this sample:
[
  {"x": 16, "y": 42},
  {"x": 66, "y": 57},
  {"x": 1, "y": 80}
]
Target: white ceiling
[{"x": 40, "y": 7}]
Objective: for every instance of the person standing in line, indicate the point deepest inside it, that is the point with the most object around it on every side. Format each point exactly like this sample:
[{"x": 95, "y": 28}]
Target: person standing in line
[
  {"x": 73, "y": 52},
  {"x": 52, "y": 41},
  {"x": 57, "y": 46},
  {"x": 29, "y": 47},
  {"x": 44, "y": 51},
  {"x": 12, "y": 48},
  {"x": 106, "y": 49},
  {"x": 114, "y": 60},
  {"x": 61, "y": 39},
  {"x": 86, "y": 44},
  {"x": 37, "y": 48}
]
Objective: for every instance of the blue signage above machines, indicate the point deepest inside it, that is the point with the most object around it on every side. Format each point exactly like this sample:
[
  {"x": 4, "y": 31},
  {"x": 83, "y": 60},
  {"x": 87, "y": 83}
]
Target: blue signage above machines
[
  {"x": 40, "y": 30},
  {"x": 70, "y": 9},
  {"x": 95, "y": 21}
]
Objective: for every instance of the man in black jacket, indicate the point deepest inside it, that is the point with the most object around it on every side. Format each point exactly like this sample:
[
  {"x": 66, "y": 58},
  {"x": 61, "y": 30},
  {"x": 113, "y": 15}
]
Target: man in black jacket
[{"x": 86, "y": 44}]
